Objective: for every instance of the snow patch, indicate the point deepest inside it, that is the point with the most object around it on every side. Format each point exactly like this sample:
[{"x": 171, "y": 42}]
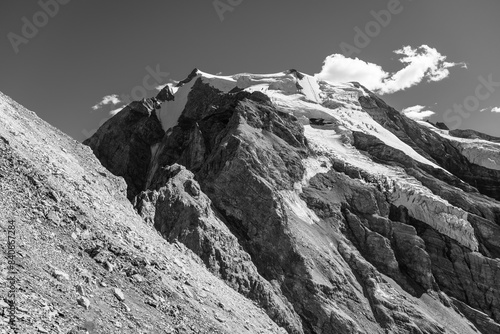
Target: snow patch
[
  {"x": 170, "y": 111},
  {"x": 478, "y": 151},
  {"x": 298, "y": 207},
  {"x": 153, "y": 163},
  {"x": 438, "y": 213},
  {"x": 486, "y": 155},
  {"x": 310, "y": 88},
  {"x": 222, "y": 83},
  {"x": 314, "y": 166},
  {"x": 340, "y": 106}
]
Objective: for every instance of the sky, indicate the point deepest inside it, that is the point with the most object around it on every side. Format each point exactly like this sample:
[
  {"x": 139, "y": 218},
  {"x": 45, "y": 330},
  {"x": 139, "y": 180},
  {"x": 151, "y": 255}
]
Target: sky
[{"x": 74, "y": 62}]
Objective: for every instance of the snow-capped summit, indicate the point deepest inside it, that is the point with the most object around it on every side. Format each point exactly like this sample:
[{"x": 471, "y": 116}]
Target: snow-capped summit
[{"x": 299, "y": 94}]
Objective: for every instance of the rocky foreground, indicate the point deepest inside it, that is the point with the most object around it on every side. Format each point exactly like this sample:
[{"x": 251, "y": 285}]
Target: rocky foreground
[
  {"x": 86, "y": 262},
  {"x": 254, "y": 204}
]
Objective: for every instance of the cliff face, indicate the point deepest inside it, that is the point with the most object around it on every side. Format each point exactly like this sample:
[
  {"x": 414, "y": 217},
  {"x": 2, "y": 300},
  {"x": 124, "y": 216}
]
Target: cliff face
[{"x": 329, "y": 209}]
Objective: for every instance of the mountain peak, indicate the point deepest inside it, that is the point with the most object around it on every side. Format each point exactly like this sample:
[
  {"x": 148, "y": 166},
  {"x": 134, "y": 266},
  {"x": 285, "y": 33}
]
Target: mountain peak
[{"x": 327, "y": 189}]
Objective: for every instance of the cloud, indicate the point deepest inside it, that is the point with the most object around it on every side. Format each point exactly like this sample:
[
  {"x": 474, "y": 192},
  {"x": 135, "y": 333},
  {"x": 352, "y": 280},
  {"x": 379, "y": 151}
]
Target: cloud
[
  {"x": 107, "y": 100},
  {"x": 420, "y": 64},
  {"x": 494, "y": 109},
  {"x": 417, "y": 113},
  {"x": 338, "y": 68}
]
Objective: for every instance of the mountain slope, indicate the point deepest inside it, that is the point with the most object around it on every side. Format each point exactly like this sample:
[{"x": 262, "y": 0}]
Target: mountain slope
[
  {"x": 348, "y": 216},
  {"x": 78, "y": 239}
]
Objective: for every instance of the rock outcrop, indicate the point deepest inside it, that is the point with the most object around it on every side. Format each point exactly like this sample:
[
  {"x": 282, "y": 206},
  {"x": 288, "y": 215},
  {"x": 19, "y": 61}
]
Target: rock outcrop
[
  {"x": 126, "y": 142},
  {"x": 180, "y": 211}
]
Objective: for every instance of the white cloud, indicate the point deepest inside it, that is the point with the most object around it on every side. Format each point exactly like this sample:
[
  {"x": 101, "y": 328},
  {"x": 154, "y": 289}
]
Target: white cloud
[
  {"x": 107, "y": 100},
  {"x": 494, "y": 109},
  {"x": 417, "y": 112},
  {"x": 421, "y": 64},
  {"x": 338, "y": 68}
]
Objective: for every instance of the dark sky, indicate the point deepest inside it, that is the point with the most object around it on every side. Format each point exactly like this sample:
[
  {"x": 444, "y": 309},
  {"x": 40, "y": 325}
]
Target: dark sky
[{"x": 90, "y": 49}]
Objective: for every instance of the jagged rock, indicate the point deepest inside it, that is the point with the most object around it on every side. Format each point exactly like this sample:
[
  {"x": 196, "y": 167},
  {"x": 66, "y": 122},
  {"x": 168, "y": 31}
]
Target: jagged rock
[
  {"x": 471, "y": 134},
  {"x": 165, "y": 94},
  {"x": 60, "y": 275},
  {"x": 483, "y": 322},
  {"x": 464, "y": 275},
  {"x": 119, "y": 294},
  {"x": 179, "y": 210},
  {"x": 145, "y": 106},
  {"x": 442, "y": 126},
  {"x": 83, "y": 301},
  {"x": 412, "y": 256},
  {"x": 127, "y": 147},
  {"x": 80, "y": 290}
]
